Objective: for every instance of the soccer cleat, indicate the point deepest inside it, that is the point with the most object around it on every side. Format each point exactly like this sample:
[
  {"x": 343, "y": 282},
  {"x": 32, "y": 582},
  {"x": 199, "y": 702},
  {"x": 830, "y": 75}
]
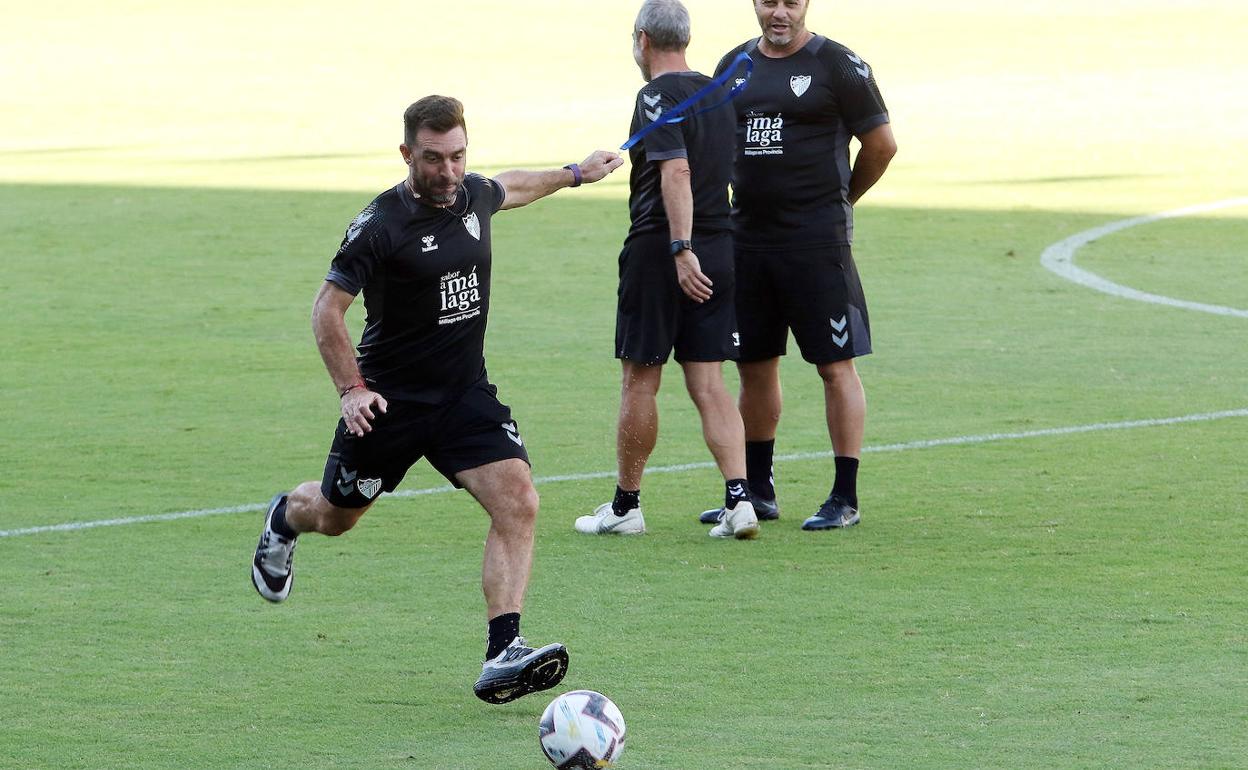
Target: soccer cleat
[
  {"x": 271, "y": 570},
  {"x": 519, "y": 670},
  {"x": 739, "y": 521},
  {"x": 603, "y": 521},
  {"x": 835, "y": 513},
  {"x": 765, "y": 510}
]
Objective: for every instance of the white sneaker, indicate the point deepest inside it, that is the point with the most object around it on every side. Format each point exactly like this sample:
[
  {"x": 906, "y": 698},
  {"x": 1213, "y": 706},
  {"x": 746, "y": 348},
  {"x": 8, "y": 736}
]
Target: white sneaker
[
  {"x": 739, "y": 522},
  {"x": 271, "y": 570},
  {"x": 603, "y": 521}
]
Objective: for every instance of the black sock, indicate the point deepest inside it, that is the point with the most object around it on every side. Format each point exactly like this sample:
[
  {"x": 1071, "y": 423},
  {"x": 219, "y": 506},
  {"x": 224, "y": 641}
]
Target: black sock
[
  {"x": 846, "y": 482},
  {"x": 758, "y": 468},
  {"x": 503, "y": 629},
  {"x": 736, "y": 491},
  {"x": 625, "y": 501},
  {"x": 277, "y": 522}
]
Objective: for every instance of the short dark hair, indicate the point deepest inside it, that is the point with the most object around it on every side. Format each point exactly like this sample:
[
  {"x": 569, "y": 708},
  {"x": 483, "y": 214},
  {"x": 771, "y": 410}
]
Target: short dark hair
[{"x": 438, "y": 113}]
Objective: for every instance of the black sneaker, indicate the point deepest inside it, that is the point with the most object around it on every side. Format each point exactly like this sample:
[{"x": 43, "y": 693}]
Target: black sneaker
[
  {"x": 271, "y": 570},
  {"x": 835, "y": 513},
  {"x": 765, "y": 510},
  {"x": 520, "y": 670}
]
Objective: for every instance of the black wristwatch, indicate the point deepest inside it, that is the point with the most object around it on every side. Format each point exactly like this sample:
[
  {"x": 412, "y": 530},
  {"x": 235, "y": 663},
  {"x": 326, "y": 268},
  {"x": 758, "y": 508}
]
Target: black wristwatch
[{"x": 679, "y": 246}]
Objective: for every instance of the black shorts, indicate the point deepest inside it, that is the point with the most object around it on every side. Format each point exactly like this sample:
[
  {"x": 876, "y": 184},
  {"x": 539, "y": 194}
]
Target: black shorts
[
  {"x": 654, "y": 316},
  {"x": 471, "y": 431},
  {"x": 815, "y": 291}
]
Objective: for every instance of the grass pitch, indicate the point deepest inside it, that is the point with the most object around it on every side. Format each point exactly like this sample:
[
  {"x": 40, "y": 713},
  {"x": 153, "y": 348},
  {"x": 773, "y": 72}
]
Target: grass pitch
[{"x": 1069, "y": 600}]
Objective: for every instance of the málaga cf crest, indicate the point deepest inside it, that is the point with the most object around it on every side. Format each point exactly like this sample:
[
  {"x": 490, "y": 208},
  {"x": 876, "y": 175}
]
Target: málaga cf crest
[
  {"x": 473, "y": 225},
  {"x": 799, "y": 84}
]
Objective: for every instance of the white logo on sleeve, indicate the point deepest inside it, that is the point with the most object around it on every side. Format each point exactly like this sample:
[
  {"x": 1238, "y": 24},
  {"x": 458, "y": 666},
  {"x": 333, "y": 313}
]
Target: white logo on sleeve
[
  {"x": 839, "y": 326},
  {"x": 429, "y": 244},
  {"x": 513, "y": 432},
  {"x": 860, "y": 67},
  {"x": 652, "y": 100},
  {"x": 357, "y": 227},
  {"x": 799, "y": 84},
  {"x": 473, "y": 225}
]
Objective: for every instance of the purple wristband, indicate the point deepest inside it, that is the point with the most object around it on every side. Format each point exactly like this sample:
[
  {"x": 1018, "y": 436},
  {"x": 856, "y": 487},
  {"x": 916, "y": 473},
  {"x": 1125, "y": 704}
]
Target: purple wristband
[{"x": 576, "y": 174}]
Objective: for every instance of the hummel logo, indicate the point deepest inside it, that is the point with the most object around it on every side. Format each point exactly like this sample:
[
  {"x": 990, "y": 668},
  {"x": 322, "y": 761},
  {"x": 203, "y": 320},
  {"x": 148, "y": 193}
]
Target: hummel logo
[
  {"x": 839, "y": 339},
  {"x": 513, "y": 433},
  {"x": 429, "y": 244},
  {"x": 357, "y": 226},
  {"x": 346, "y": 480},
  {"x": 736, "y": 339},
  {"x": 651, "y": 100},
  {"x": 654, "y": 114},
  {"x": 736, "y": 490},
  {"x": 861, "y": 69}
]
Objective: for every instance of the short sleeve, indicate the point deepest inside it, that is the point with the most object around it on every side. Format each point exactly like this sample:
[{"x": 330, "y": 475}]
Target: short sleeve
[
  {"x": 668, "y": 140},
  {"x": 363, "y": 247},
  {"x": 858, "y": 97},
  {"x": 497, "y": 194}
]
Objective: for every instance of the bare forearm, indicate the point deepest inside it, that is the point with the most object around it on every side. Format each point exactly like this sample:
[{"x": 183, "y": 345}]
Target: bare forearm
[
  {"x": 523, "y": 187},
  {"x": 877, "y": 151},
  {"x": 334, "y": 343},
  {"x": 867, "y": 171},
  {"x": 678, "y": 200}
]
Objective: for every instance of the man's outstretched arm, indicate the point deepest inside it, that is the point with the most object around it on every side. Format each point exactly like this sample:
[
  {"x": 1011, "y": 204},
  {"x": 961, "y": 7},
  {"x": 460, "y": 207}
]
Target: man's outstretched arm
[{"x": 524, "y": 187}]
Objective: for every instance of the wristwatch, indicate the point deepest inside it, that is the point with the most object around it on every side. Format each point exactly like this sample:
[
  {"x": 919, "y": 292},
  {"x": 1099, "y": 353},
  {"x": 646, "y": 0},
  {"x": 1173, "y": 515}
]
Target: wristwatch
[{"x": 679, "y": 246}]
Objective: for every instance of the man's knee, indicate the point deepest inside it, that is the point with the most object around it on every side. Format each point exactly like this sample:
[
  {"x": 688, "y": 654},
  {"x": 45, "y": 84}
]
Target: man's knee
[{"x": 838, "y": 372}]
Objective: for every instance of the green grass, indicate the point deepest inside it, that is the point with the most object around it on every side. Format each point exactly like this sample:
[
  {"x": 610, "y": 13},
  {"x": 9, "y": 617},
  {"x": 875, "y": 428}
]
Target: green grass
[{"x": 174, "y": 182}]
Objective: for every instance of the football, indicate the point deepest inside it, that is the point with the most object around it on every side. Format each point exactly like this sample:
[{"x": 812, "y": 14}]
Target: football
[{"x": 582, "y": 729}]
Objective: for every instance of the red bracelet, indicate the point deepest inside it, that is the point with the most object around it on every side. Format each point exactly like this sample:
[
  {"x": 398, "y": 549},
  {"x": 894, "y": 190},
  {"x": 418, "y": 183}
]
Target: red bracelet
[{"x": 350, "y": 388}]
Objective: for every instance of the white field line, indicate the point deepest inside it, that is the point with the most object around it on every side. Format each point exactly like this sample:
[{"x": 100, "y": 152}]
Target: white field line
[
  {"x": 1060, "y": 259},
  {"x": 901, "y": 447}
]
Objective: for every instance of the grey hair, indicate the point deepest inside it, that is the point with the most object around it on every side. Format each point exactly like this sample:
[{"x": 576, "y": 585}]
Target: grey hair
[{"x": 666, "y": 22}]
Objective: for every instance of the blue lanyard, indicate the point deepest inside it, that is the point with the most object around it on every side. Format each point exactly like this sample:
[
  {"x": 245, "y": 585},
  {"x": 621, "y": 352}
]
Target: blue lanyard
[{"x": 674, "y": 114}]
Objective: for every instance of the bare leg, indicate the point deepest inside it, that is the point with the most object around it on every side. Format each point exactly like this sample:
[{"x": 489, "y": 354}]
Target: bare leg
[
  {"x": 307, "y": 510},
  {"x": 761, "y": 398},
  {"x": 638, "y": 428},
  {"x": 505, "y": 490},
  {"x": 721, "y": 422},
  {"x": 845, "y": 404}
]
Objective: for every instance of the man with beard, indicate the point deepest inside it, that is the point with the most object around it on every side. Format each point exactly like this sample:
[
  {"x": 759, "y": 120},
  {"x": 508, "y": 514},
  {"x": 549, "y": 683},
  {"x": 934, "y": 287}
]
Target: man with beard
[
  {"x": 420, "y": 253},
  {"x": 794, "y": 189}
]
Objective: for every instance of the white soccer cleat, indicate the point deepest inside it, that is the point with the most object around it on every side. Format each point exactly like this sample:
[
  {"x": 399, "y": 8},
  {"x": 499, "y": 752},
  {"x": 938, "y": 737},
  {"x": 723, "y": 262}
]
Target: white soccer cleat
[
  {"x": 739, "y": 522},
  {"x": 603, "y": 521}
]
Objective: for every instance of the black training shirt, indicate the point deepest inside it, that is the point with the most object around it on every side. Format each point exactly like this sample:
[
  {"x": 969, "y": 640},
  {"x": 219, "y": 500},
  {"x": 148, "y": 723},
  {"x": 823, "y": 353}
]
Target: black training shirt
[
  {"x": 425, "y": 274},
  {"x": 705, "y": 140},
  {"x": 794, "y": 123}
]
